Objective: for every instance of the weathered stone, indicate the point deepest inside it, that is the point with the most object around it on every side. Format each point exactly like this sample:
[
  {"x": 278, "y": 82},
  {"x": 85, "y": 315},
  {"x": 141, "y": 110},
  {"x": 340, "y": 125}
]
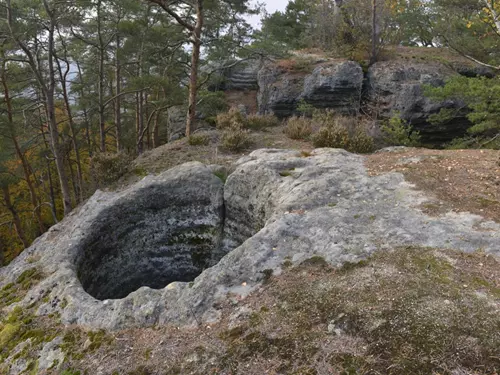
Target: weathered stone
[
  {"x": 240, "y": 76},
  {"x": 176, "y": 122},
  {"x": 279, "y": 206},
  {"x": 389, "y": 87},
  {"x": 394, "y": 87},
  {"x": 335, "y": 84},
  {"x": 51, "y": 356}
]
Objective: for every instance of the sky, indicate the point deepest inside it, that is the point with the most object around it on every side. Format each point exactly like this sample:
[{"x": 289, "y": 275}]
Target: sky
[{"x": 271, "y": 6}]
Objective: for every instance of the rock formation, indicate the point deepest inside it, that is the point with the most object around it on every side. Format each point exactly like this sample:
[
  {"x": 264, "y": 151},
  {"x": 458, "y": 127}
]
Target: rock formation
[
  {"x": 172, "y": 247},
  {"x": 336, "y": 85}
]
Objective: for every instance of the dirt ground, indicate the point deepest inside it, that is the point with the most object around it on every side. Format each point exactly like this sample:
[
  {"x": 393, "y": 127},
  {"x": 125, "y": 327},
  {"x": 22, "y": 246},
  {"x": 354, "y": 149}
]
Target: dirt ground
[
  {"x": 410, "y": 311},
  {"x": 458, "y": 180}
]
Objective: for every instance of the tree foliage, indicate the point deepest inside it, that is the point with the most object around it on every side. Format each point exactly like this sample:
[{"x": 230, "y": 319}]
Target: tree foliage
[{"x": 82, "y": 81}]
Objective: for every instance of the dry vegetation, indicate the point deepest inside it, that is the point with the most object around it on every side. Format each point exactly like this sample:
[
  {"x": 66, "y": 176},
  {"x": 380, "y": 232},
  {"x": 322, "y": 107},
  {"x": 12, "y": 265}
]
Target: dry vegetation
[
  {"x": 458, "y": 180},
  {"x": 408, "y": 311}
]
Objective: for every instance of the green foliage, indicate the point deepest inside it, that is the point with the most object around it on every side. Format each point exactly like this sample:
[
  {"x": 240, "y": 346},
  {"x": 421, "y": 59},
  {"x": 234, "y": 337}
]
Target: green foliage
[
  {"x": 107, "y": 168},
  {"x": 305, "y": 108},
  {"x": 397, "y": 132},
  {"x": 298, "y": 128},
  {"x": 8, "y": 332},
  {"x": 235, "y": 138},
  {"x": 289, "y": 27},
  {"x": 212, "y": 103},
  {"x": 481, "y": 96},
  {"x": 71, "y": 372},
  {"x": 199, "y": 140}
]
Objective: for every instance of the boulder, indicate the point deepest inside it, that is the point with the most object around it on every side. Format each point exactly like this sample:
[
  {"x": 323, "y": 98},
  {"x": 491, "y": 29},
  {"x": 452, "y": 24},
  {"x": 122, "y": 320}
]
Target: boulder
[
  {"x": 387, "y": 88},
  {"x": 241, "y": 76},
  {"x": 332, "y": 84},
  {"x": 397, "y": 87},
  {"x": 173, "y": 248}
]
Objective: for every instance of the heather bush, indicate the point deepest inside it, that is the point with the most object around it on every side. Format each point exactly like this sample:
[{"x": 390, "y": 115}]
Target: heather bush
[{"x": 299, "y": 127}]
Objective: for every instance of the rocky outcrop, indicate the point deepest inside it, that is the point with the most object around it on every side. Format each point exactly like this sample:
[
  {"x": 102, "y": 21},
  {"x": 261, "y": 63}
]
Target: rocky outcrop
[
  {"x": 279, "y": 206},
  {"x": 393, "y": 87},
  {"x": 387, "y": 87},
  {"x": 234, "y": 75},
  {"x": 335, "y": 84},
  {"x": 166, "y": 231}
]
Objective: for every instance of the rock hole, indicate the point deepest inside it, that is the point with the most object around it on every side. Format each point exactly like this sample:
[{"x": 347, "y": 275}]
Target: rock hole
[{"x": 159, "y": 235}]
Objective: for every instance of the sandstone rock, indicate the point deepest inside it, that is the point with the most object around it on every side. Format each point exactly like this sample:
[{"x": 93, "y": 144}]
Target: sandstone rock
[
  {"x": 242, "y": 76},
  {"x": 387, "y": 88},
  {"x": 396, "y": 87},
  {"x": 335, "y": 84},
  {"x": 176, "y": 122},
  {"x": 168, "y": 229},
  {"x": 51, "y": 356}
]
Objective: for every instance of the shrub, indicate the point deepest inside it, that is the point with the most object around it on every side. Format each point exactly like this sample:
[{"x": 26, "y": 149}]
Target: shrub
[
  {"x": 325, "y": 117},
  {"x": 397, "y": 132},
  {"x": 230, "y": 119},
  {"x": 257, "y": 122},
  {"x": 235, "y": 138},
  {"x": 199, "y": 140},
  {"x": 108, "y": 167},
  {"x": 298, "y": 127},
  {"x": 480, "y": 96},
  {"x": 335, "y": 137},
  {"x": 361, "y": 142},
  {"x": 349, "y": 133},
  {"x": 305, "y": 108}
]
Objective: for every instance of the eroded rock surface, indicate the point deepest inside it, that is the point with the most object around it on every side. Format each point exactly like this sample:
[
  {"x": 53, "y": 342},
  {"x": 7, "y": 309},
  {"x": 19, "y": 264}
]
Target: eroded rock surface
[
  {"x": 393, "y": 87},
  {"x": 284, "y": 206},
  {"x": 336, "y": 85},
  {"x": 387, "y": 88}
]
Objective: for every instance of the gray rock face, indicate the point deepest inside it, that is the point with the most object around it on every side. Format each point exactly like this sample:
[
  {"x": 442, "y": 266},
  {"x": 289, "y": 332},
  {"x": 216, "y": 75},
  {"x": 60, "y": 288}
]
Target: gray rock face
[
  {"x": 162, "y": 233},
  {"x": 387, "y": 88},
  {"x": 395, "y": 87},
  {"x": 242, "y": 77},
  {"x": 336, "y": 85},
  {"x": 279, "y": 206},
  {"x": 176, "y": 122}
]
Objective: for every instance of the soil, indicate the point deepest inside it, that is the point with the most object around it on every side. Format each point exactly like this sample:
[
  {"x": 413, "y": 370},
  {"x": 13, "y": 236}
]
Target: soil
[
  {"x": 409, "y": 311},
  {"x": 457, "y": 180}
]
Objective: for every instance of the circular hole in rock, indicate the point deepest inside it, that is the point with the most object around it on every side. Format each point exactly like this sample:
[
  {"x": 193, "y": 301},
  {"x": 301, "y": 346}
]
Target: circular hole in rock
[{"x": 164, "y": 233}]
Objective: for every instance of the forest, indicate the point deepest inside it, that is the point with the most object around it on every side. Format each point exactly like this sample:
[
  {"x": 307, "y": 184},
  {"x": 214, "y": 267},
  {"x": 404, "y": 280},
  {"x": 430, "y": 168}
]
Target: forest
[{"x": 87, "y": 85}]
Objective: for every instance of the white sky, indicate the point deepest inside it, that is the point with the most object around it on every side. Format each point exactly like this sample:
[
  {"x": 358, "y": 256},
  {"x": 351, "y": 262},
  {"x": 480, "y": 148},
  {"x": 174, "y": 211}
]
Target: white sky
[{"x": 271, "y": 6}]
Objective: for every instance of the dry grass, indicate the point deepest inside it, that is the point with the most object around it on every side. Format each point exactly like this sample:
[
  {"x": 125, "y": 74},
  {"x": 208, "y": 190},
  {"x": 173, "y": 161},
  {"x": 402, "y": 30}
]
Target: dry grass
[
  {"x": 299, "y": 128},
  {"x": 459, "y": 180},
  {"x": 179, "y": 152},
  {"x": 409, "y": 311}
]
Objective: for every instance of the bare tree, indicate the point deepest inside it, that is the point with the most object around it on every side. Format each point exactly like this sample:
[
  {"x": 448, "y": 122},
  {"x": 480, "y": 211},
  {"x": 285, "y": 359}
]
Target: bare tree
[{"x": 375, "y": 33}]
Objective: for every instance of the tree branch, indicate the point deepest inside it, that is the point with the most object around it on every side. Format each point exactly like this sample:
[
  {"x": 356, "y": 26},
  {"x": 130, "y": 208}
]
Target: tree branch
[{"x": 178, "y": 18}]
